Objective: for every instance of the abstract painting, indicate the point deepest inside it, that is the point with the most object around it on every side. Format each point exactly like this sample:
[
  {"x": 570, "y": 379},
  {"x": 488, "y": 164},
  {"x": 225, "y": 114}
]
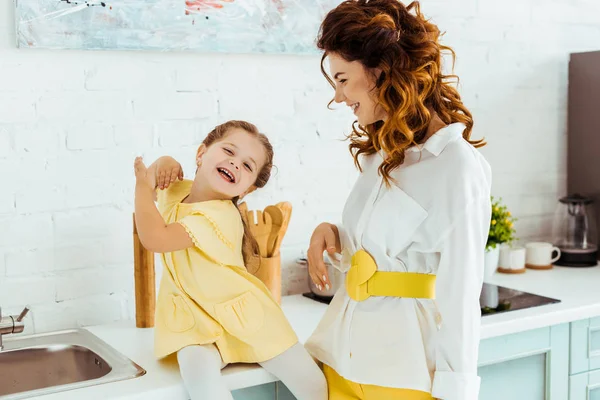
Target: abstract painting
[{"x": 229, "y": 26}]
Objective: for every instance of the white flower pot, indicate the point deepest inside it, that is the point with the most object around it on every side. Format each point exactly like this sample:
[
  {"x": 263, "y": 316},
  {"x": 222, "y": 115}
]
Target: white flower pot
[
  {"x": 491, "y": 262},
  {"x": 489, "y": 296}
]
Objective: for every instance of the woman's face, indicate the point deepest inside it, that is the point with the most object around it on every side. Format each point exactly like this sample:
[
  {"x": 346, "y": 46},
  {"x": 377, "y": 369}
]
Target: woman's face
[{"x": 355, "y": 86}]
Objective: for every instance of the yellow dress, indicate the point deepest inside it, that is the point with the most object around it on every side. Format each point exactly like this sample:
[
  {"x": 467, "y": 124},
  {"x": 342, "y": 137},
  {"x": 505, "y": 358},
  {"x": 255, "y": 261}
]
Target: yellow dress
[{"x": 206, "y": 294}]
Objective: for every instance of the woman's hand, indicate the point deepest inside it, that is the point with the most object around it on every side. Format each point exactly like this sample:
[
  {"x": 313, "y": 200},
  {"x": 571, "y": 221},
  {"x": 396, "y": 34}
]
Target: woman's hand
[
  {"x": 325, "y": 238},
  {"x": 167, "y": 171}
]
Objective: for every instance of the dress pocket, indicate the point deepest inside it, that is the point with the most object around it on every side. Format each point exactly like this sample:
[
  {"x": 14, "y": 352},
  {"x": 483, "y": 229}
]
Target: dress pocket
[
  {"x": 241, "y": 316},
  {"x": 179, "y": 317}
]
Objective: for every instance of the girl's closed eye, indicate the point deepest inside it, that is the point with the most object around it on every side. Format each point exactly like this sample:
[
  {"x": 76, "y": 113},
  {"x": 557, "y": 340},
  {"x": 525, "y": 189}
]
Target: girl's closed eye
[
  {"x": 228, "y": 151},
  {"x": 248, "y": 167}
]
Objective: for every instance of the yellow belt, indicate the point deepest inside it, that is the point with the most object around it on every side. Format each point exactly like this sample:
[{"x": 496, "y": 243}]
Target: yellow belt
[{"x": 363, "y": 281}]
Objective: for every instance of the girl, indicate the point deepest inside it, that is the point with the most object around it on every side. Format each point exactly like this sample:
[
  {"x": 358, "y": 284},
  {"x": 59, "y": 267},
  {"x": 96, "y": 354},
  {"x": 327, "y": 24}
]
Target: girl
[
  {"x": 414, "y": 228},
  {"x": 211, "y": 311}
]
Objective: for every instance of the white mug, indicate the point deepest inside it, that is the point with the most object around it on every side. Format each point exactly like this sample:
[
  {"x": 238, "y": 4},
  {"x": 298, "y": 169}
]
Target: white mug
[
  {"x": 540, "y": 254},
  {"x": 512, "y": 258}
]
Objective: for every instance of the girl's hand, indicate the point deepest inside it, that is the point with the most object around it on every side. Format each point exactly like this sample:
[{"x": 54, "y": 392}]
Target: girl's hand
[
  {"x": 325, "y": 237},
  {"x": 168, "y": 170},
  {"x": 142, "y": 175}
]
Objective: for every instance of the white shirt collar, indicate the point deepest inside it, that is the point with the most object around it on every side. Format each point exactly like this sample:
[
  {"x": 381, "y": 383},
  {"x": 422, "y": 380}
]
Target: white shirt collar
[{"x": 439, "y": 140}]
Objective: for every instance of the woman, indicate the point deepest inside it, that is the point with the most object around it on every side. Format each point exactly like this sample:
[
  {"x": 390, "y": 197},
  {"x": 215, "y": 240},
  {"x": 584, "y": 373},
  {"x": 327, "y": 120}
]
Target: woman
[{"x": 406, "y": 324}]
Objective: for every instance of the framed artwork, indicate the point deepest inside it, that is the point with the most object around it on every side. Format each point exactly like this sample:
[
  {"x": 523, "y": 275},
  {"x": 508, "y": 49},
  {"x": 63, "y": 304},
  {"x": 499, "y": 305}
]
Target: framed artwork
[{"x": 229, "y": 26}]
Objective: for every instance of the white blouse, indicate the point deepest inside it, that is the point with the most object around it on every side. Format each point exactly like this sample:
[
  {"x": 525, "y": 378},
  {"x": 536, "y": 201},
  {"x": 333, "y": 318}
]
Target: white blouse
[{"x": 434, "y": 220}]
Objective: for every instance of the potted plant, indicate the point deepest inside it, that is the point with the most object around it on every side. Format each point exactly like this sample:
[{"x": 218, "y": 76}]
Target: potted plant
[{"x": 501, "y": 231}]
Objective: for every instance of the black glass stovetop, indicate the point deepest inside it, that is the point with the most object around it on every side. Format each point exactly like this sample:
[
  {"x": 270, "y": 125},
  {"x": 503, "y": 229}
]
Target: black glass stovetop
[{"x": 493, "y": 300}]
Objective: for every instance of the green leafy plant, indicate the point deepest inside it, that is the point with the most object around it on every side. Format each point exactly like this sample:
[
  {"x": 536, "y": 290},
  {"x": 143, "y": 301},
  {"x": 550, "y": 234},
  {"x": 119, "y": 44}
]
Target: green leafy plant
[{"x": 501, "y": 225}]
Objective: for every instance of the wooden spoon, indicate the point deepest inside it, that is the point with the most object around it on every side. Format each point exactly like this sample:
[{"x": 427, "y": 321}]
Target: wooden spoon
[
  {"x": 286, "y": 210},
  {"x": 277, "y": 220},
  {"x": 261, "y": 230}
]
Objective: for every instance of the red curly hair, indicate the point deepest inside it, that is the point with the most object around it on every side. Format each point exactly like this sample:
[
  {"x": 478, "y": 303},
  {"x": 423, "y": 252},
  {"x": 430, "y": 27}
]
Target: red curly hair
[{"x": 411, "y": 89}]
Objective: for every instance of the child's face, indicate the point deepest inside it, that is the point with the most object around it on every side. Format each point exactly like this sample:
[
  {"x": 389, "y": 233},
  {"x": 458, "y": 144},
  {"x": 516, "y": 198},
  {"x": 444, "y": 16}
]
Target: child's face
[{"x": 231, "y": 165}]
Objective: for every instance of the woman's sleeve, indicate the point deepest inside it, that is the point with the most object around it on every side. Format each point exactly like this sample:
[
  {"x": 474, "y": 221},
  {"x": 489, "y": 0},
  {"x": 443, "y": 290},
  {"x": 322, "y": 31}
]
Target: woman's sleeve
[{"x": 458, "y": 286}]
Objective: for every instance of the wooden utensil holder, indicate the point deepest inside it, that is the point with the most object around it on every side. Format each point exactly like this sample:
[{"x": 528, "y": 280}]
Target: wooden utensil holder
[
  {"x": 269, "y": 273},
  {"x": 145, "y": 289}
]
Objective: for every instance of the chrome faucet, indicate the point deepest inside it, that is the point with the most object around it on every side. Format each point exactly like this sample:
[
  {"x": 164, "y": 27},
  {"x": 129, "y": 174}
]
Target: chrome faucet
[{"x": 12, "y": 324}]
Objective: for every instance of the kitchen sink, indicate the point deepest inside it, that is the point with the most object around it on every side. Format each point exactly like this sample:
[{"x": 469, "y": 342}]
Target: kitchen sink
[{"x": 59, "y": 361}]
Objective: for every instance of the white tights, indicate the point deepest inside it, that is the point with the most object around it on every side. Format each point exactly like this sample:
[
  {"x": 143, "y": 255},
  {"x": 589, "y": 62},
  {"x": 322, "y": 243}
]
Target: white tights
[{"x": 200, "y": 368}]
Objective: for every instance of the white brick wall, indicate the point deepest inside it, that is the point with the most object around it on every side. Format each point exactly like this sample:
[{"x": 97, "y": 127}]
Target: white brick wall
[
  {"x": 34, "y": 262},
  {"x": 177, "y": 105},
  {"x": 72, "y": 122}
]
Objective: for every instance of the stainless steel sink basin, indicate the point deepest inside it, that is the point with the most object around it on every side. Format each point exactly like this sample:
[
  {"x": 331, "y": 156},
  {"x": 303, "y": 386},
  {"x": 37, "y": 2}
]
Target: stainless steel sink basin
[{"x": 59, "y": 361}]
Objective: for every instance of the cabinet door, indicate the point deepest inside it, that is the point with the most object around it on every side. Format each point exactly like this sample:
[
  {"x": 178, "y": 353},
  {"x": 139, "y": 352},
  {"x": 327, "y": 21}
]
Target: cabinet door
[
  {"x": 585, "y": 386},
  {"x": 585, "y": 345},
  {"x": 530, "y": 365},
  {"x": 283, "y": 393},
  {"x": 270, "y": 391},
  {"x": 260, "y": 392}
]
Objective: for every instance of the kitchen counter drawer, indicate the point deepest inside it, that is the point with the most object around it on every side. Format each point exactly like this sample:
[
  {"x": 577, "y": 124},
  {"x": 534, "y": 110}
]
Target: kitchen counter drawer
[
  {"x": 585, "y": 345},
  {"x": 535, "y": 363},
  {"x": 585, "y": 386}
]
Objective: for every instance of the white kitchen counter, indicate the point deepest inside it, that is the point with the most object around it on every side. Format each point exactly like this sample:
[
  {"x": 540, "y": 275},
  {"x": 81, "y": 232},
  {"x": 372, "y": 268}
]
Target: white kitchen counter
[{"x": 576, "y": 288}]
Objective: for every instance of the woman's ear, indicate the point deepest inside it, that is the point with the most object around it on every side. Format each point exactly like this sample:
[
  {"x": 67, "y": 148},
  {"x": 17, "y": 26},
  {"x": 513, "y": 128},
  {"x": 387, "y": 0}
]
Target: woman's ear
[
  {"x": 199, "y": 154},
  {"x": 378, "y": 76},
  {"x": 377, "y": 72}
]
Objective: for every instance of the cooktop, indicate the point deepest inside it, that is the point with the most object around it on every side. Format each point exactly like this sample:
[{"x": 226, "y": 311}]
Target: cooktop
[{"x": 494, "y": 299}]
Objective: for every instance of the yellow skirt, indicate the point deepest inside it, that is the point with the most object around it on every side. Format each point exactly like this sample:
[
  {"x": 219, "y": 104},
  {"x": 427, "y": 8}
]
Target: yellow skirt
[{"x": 343, "y": 389}]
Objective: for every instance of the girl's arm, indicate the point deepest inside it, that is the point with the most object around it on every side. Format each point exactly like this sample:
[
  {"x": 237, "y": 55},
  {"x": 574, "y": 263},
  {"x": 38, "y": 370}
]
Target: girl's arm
[{"x": 155, "y": 235}]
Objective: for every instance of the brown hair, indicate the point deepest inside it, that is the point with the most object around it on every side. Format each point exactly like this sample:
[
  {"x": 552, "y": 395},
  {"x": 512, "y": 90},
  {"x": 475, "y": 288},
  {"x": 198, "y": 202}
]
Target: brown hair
[
  {"x": 250, "y": 249},
  {"x": 384, "y": 34}
]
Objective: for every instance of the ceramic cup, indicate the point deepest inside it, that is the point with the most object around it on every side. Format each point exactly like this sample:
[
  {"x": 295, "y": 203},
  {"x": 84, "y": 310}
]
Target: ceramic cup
[
  {"x": 512, "y": 258},
  {"x": 539, "y": 254}
]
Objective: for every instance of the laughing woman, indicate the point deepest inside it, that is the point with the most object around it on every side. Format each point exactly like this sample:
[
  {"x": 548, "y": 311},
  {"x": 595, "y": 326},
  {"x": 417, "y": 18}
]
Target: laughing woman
[{"x": 414, "y": 228}]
